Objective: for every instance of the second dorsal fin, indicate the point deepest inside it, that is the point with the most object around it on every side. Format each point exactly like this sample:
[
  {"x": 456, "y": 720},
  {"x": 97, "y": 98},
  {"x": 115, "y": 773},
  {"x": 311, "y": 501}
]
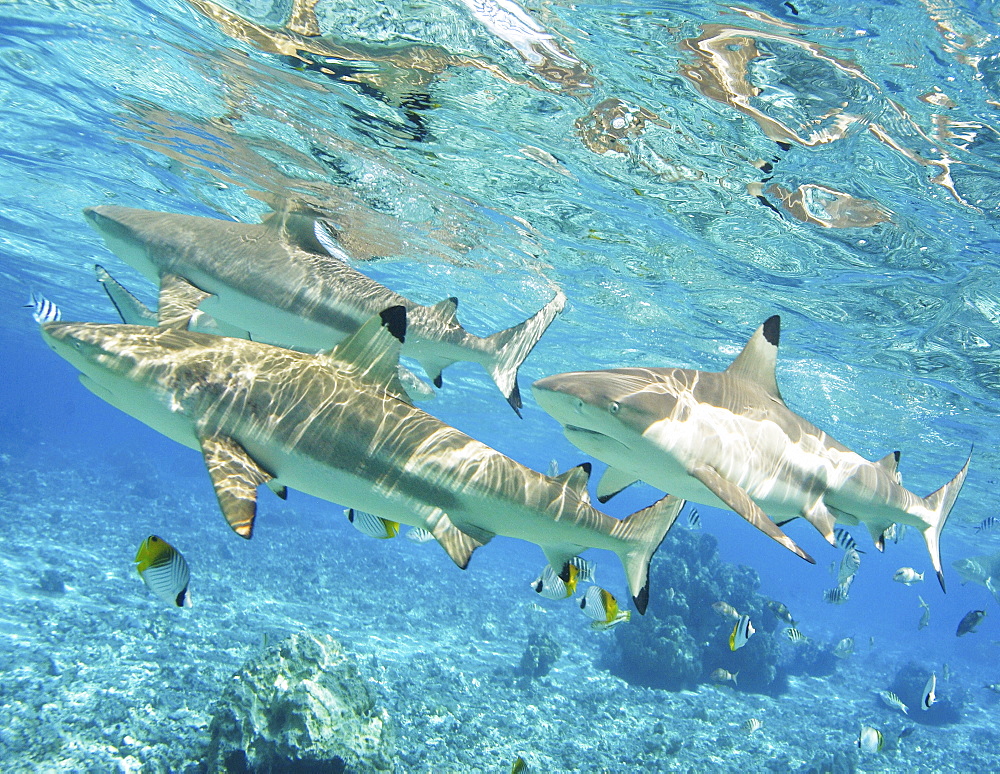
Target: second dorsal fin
[
  {"x": 576, "y": 479},
  {"x": 757, "y": 361}
]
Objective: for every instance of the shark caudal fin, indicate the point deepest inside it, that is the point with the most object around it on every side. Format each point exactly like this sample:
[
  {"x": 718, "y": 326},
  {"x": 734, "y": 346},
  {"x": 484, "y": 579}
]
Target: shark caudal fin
[
  {"x": 642, "y": 533},
  {"x": 512, "y": 346},
  {"x": 939, "y": 505}
]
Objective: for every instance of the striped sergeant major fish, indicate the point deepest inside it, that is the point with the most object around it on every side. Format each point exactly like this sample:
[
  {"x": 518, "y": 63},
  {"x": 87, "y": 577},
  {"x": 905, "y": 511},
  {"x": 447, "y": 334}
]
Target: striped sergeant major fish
[
  {"x": 260, "y": 414},
  {"x": 277, "y": 282},
  {"x": 987, "y": 524},
  {"x": 730, "y": 441},
  {"x": 844, "y": 540},
  {"x": 43, "y": 310},
  {"x": 164, "y": 571}
]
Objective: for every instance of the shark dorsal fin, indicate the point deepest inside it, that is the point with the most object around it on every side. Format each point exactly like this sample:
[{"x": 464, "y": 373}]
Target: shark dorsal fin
[
  {"x": 179, "y": 300},
  {"x": 448, "y": 309},
  {"x": 757, "y": 361},
  {"x": 890, "y": 463},
  {"x": 373, "y": 350},
  {"x": 235, "y": 477},
  {"x": 576, "y": 480}
]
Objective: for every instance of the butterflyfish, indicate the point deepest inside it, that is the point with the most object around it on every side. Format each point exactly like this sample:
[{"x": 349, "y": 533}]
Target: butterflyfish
[{"x": 164, "y": 570}]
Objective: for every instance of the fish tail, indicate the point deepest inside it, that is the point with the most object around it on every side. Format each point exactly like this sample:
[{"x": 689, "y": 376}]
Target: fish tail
[
  {"x": 642, "y": 533},
  {"x": 939, "y": 506},
  {"x": 735, "y": 675},
  {"x": 512, "y": 346}
]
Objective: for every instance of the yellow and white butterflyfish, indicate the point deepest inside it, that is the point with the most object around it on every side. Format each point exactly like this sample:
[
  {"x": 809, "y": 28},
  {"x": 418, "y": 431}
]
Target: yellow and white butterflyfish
[
  {"x": 164, "y": 570},
  {"x": 418, "y": 535},
  {"x": 372, "y": 525},
  {"x": 601, "y": 605},
  {"x": 552, "y": 586}
]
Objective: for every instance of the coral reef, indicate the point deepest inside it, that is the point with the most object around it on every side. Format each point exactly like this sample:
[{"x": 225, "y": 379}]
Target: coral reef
[
  {"x": 908, "y": 684},
  {"x": 681, "y": 639},
  {"x": 812, "y": 658},
  {"x": 541, "y": 653},
  {"x": 301, "y": 706}
]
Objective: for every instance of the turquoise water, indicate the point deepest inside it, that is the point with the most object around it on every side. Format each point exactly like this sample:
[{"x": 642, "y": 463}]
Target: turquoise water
[{"x": 682, "y": 172}]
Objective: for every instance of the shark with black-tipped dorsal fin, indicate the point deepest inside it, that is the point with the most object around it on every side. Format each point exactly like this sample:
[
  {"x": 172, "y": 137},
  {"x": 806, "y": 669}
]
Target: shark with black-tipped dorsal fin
[
  {"x": 285, "y": 282},
  {"x": 727, "y": 439},
  {"x": 338, "y": 425}
]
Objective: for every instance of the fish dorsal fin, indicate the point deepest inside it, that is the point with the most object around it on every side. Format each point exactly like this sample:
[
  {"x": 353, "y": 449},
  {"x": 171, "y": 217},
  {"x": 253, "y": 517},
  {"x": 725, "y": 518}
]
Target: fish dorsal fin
[
  {"x": 235, "y": 477},
  {"x": 612, "y": 482},
  {"x": 130, "y": 309},
  {"x": 448, "y": 309},
  {"x": 459, "y": 545},
  {"x": 890, "y": 463},
  {"x": 757, "y": 361},
  {"x": 576, "y": 480},
  {"x": 373, "y": 350},
  {"x": 179, "y": 300}
]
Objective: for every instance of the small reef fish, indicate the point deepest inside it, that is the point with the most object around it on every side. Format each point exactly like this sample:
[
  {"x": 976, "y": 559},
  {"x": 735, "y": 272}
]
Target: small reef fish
[
  {"x": 584, "y": 569},
  {"x": 552, "y": 586},
  {"x": 995, "y": 687},
  {"x": 795, "y": 635},
  {"x": 908, "y": 575},
  {"x": 849, "y": 565},
  {"x": 893, "y": 532},
  {"x": 892, "y": 700},
  {"x": 725, "y": 610},
  {"x": 969, "y": 622},
  {"x": 693, "y": 519},
  {"x": 870, "y": 740},
  {"x": 925, "y": 617},
  {"x": 843, "y": 539},
  {"x": 781, "y": 612},
  {"x": 844, "y": 648},
  {"x": 520, "y": 766},
  {"x": 43, "y": 310},
  {"x": 419, "y": 535},
  {"x": 602, "y": 606},
  {"x": 985, "y": 525},
  {"x": 372, "y": 525},
  {"x": 753, "y": 724},
  {"x": 742, "y": 632},
  {"x": 837, "y": 595},
  {"x": 721, "y": 675},
  {"x": 164, "y": 570},
  {"x": 537, "y": 608},
  {"x": 553, "y": 471},
  {"x": 929, "y": 696},
  {"x": 946, "y": 672}
]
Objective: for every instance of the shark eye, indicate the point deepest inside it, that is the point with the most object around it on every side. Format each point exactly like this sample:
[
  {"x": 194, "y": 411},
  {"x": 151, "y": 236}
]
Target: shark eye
[
  {"x": 579, "y": 404},
  {"x": 613, "y": 407}
]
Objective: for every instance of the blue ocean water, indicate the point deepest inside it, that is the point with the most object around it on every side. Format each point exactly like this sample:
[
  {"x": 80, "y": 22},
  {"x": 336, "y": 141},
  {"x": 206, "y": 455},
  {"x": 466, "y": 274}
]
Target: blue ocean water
[{"x": 682, "y": 171}]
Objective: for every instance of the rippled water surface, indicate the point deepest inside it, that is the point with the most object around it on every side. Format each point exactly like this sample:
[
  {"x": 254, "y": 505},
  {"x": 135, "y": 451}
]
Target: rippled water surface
[{"x": 682, "y": 171}]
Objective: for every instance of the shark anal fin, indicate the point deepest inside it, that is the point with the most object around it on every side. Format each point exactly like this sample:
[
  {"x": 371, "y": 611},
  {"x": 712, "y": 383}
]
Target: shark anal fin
[
  {"x": 278, "y": 489},
  {"x": 178, "y": 301},
  {"x": 737, "y": 499},
  {"x": 235, "y": 477},
  {"x": 373, "y": 351},
  {"x": 459, "y": 545},
  {"x": 612, "y": 482}
]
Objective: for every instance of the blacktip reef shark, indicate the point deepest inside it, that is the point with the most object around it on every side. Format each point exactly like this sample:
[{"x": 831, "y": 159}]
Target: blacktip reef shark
[
  {"x": 284, "y": 283},
  {"x": 727, "y": 439},
  {"x": 338, "y": 425},
  {"x": 984, "y": 570}
]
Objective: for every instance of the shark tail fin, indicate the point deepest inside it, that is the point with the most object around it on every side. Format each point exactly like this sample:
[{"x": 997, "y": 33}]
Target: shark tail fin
[
  {"x": 939, "y": 505},
  {"x": 512, "y": 346},
  {"x": 642, "y": 533}
]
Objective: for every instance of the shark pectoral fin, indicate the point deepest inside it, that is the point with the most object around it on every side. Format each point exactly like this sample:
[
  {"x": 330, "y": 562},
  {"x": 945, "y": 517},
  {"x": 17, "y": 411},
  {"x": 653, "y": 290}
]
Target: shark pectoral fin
[
  {"x": 612, "y": 482},
  {"x": 373, "y": 351},
  {"x": 757, "y": 361},
  {"x": 890, "y": 463},
  {"x": 458, "y": 544},
  {"x": 130, "y": 309},
  {"x": 178, "y": 301},
  {"x": 576, "y": 480},
  {"x": 737, "y": 499},
  {"x": 235, "y": 477}
]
